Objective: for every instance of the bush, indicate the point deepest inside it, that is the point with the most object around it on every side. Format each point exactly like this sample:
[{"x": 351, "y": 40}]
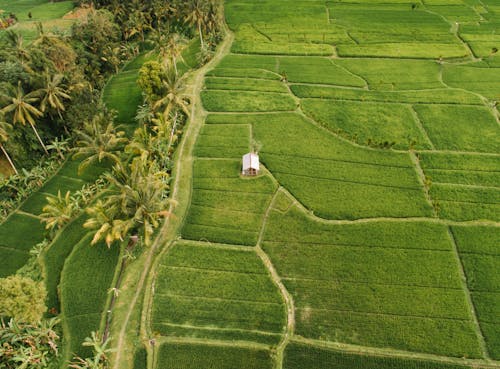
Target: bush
[{"x": 22, "y": 299}]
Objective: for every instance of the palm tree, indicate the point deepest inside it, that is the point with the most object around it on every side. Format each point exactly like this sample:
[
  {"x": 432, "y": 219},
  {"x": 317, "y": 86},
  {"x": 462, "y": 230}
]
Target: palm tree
[
  {"x": 4, "y": 136},
  {"x": 16, "y": 42},
  {"x": 172, "y": 53},
  {"x": 99, "y": 140},
  {"x": 22, "y": 108},
  {"x": 102, "y": 219},
  {"x": 175, "y": 97},
  {"x": 53, "y": 93},
  {"x": 196, "y": 16},
  {"x": 58, "y": 211},
  {"x": 135, "y": 204}
]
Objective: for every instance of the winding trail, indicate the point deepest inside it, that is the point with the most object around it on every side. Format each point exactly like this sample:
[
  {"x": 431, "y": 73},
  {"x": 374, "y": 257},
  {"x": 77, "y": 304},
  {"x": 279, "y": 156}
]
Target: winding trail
[
  {"x": 287, "y": 297},
  {"x": 181, "y": 195}
]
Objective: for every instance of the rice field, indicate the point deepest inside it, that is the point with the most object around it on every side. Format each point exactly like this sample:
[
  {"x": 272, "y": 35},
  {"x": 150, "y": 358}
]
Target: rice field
[
  {"x": 378, "y": 135},
  {"x": 30, "y": 12}
]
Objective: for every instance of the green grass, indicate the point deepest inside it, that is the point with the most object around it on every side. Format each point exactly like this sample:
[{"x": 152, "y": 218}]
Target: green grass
[
  {"x": 296, "y": 69},
  {"x": 243, "y": 101},
  {"x": 85, "y": 281},
  {"x": 141, "y": 358},
  {"x": 221, "y": 211},
  {"x": 223, "y": 141},
  {"x": 188, "y": 356},
  {"x": 47, "y": 12},
  {"x": 392, "y": 74},
  {"x": 484, "y": 81},
  {"x": 449, "y": 337},
  {"x": 300, "y": 356},
  {"x": 229, "y": 296},
  {"x": 245, "y": 84},
  {"x": 444, "y": 96},
  {"x": 379, "y": 298},
  {"x": 11, "y": 260},
  {"x": 405, "y": 50},
  {"x": 478, "y": 247},
  {"x": 477, "y": 240},
  {"x": 21, "y": 232},
  {"x": 54, "y": 258},
  {"x": 368, "y": 123},
  {"x": 460, "y": 128}
]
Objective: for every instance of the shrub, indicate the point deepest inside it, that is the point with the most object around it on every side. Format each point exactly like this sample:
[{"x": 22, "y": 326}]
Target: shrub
[{"x": 22, "y": 299}]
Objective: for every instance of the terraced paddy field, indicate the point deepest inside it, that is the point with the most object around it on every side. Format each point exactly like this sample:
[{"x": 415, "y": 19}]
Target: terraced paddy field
[
  {"x": 51, "y": 14},
  {"x": 371, "y": 237}
]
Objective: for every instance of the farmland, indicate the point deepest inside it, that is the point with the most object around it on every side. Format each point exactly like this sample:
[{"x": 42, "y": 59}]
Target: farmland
[
  {"x": 30, "y": 12},
  {"x": 376, "y": 211},
  {"x": 369, "y": 238}
]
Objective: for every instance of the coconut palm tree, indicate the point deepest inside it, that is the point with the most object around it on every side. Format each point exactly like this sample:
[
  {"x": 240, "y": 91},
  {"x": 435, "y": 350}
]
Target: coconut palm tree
[
  {"x": 16, "y": 42},
  {"x": 135, "y": 204},
  {"x": 175, "y": 96},
  {"x": 53, "y": 93},
  {"x": 22, "y": 108},
  {"x": 99, "y": 140},
  {"x": 172, "y": 54},
  {"x": 4, "y": 136},
  {"x": 196, "y": 16},
  {"x": 58, "y": 211}
]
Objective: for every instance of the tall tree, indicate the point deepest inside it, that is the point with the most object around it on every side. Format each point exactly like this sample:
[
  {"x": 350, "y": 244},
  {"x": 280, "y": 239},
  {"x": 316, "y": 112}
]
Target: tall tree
[
  {"x": 20, "y": 106},
  {"x": 53, "y": 93},
  {"x": 175, "y": 96},
  {"x": 99, "y": 140},
  {"x": 196, "y": 15},
  {"x": 135, "y": 205},
  {"x": 4, "y": 136}
]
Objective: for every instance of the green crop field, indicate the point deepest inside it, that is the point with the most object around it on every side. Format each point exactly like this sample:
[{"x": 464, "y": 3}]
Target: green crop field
[
  {"x": 49, "y": 13},
  {"x": 369, "y": 239},
  {"x": 376, "y": 212},
  {"x": 229, "y": 296}
]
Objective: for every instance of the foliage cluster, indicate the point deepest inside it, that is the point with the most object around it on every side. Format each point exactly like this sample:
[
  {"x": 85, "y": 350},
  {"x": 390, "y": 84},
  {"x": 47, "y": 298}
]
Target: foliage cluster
[{"x": 28, "y": 346}]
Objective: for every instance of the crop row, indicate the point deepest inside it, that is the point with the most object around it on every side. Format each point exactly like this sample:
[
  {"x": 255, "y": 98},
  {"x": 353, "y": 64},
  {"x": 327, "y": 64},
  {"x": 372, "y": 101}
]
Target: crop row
[
  {"x": 85, "y": 281},
  {"x": 225, "y": 294},
  {"x": 209, "y": 356},
  {"x": 220, "y": 209},
  {"x": 478, "y": 247},
  {"x": 436, "y": 96},
  {"x": 302, "y": 356}
]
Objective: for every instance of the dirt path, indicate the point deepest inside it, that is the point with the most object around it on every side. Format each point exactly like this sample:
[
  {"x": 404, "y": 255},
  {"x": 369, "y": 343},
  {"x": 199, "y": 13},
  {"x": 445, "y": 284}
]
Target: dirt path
[
  {"x": 180, "y": 196},
  {"x": 287, "y": 297}
]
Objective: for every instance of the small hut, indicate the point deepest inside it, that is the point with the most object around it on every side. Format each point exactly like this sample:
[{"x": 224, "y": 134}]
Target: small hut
[{"x": 251, "y": 165}]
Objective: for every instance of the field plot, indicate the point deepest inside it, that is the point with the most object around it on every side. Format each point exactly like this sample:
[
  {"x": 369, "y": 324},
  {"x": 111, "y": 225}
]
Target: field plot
[
  {"x": 188, "y": 356},
  {"x": 18, "y": 234},
  {"x": 209, "y": 292},
  {"x": 369, "y": 123},
  {"x": 378, "y": 135},
  {"x": 481, "y": 80},
  {"x": 226, "y": 208},
  {"x": 460, "y": 128},
  {"x": 333, "y": 178},
  {"x": 478, "y": 247},
  {"x": 464, "y": 187},
  {"x": 49, "y": 13},
  {"x": 301, "y": 356},
  {"x": 85, "y": 280},
  {"x": 394, "y": 283}
]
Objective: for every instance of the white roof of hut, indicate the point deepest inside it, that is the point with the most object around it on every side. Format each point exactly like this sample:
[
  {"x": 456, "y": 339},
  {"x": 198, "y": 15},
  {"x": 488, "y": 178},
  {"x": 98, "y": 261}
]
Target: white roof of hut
[{"x": 251, "y": 161}]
